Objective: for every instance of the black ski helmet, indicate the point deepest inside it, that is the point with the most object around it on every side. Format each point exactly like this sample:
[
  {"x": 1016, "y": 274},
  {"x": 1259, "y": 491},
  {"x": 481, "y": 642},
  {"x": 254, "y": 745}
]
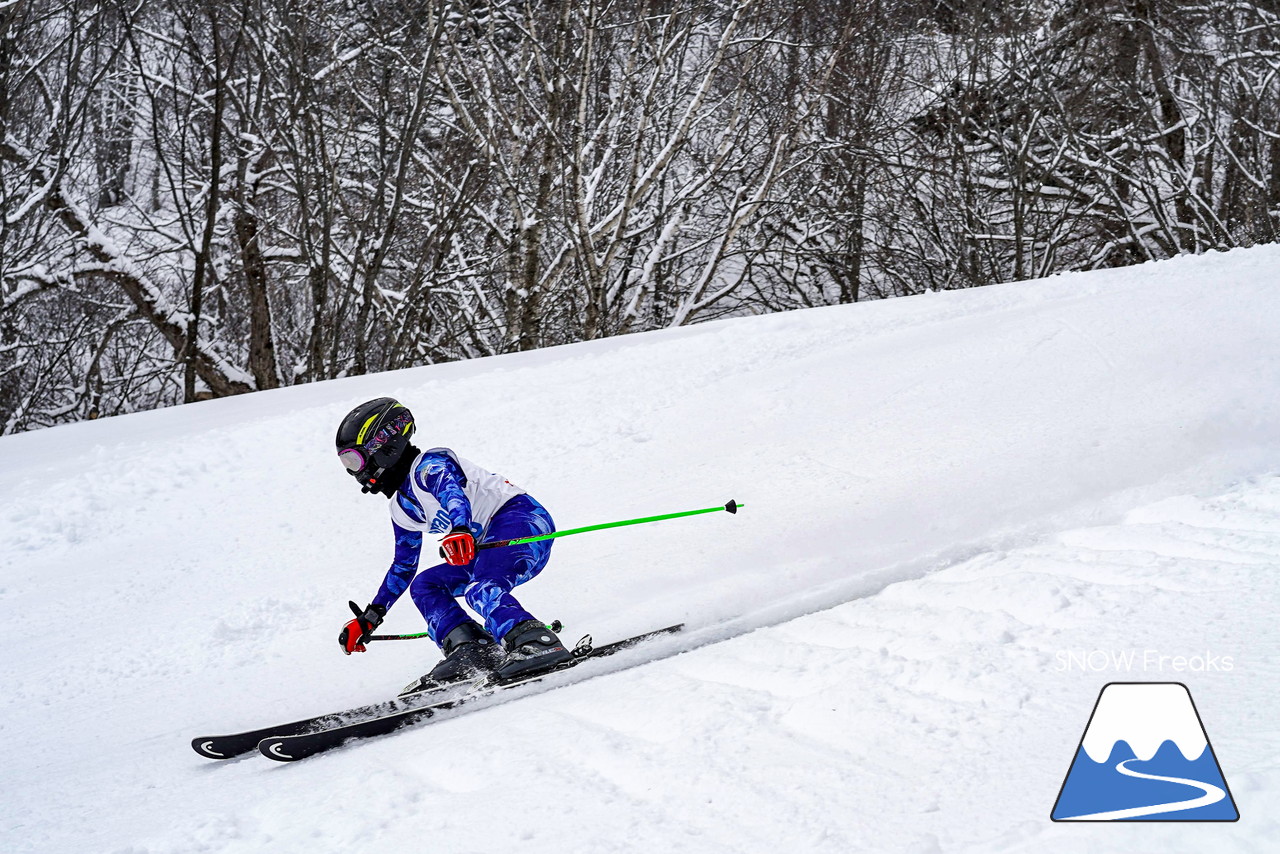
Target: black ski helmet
[{"x": 372, "y": 438}]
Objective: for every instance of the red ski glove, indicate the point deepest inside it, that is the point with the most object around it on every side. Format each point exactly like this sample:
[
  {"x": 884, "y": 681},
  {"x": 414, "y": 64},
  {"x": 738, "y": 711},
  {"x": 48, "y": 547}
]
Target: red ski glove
[
  {"x": 354, "y": 633},
  {"x": 459, "y": 547}
]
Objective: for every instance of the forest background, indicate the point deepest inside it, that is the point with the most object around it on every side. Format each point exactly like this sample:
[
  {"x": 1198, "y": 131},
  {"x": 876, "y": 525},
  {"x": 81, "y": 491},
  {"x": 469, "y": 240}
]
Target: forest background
[{"x": 211, "y": 197}]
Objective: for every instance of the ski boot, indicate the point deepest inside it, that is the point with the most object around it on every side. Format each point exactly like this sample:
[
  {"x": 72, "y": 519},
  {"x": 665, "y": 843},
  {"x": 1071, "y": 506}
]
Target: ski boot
[
  {"x": 531, "y": 648},
  {"x": 469, "y": 652}
]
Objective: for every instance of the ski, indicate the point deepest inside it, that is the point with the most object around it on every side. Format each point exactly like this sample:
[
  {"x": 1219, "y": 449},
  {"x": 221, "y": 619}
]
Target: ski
[
  {"x": 239, "y": 743},
  {"x": 290, "y": 747}
]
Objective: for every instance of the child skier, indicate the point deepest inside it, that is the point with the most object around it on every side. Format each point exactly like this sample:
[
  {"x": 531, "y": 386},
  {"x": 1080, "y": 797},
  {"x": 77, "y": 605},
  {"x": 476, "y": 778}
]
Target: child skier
[{"x": 438, "y": 492}]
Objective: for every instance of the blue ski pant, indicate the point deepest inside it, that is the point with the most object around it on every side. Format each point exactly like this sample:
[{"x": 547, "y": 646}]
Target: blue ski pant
[{"x": 487, "y": 581}]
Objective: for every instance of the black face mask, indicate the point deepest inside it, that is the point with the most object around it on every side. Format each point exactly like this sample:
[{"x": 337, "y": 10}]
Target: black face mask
[{"x": 393, "y": 475}]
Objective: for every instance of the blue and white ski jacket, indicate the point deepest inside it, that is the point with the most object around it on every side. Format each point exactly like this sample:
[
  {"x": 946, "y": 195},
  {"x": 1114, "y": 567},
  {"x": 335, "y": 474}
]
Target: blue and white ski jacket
[{"x": 442, "y": 491}]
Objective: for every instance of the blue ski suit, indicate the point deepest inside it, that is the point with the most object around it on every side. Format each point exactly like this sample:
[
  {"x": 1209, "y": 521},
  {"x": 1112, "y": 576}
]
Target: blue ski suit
[{"x": 442, "y": 491}]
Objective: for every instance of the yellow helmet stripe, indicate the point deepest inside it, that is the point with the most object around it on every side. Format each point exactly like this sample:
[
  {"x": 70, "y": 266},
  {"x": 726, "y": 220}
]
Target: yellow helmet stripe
[{"x": 365, "y": 428}]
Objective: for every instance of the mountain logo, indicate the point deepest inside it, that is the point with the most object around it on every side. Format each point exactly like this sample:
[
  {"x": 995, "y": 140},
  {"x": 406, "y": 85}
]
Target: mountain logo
[{"x": 1145, "y": 756}]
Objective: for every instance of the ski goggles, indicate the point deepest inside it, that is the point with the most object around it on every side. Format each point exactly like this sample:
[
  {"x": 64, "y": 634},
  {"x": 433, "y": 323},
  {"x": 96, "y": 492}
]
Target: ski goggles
[{"x": 352, "y": 460}]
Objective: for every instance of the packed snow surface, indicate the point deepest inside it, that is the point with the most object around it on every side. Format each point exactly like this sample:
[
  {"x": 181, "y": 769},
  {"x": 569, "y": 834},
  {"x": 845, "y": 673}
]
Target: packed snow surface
[{"x": 964, "y": 514}]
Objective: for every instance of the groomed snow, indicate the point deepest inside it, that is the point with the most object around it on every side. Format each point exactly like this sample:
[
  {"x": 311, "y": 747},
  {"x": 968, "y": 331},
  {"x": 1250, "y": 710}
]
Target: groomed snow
[{"x": 940, "y": 503}]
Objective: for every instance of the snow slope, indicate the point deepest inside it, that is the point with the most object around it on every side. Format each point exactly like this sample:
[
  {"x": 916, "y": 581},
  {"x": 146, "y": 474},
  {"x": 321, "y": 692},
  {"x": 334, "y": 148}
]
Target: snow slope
[{"x": 186, "y": 571}]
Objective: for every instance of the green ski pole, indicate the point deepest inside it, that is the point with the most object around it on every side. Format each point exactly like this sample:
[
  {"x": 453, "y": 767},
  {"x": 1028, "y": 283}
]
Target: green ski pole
[
  {"x": 414, "y": 636},
  {"x": 730, "y": 506},
  {"x": 555, "y": 626}
]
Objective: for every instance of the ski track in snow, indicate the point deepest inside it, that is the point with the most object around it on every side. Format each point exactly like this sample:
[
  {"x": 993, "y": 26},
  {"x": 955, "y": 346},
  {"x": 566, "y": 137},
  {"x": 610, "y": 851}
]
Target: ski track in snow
[{"x": 939, "y": 501}]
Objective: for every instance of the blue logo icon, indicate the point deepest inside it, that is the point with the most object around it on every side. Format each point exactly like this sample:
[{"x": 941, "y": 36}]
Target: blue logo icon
[{"x": 1145, "y": 756}]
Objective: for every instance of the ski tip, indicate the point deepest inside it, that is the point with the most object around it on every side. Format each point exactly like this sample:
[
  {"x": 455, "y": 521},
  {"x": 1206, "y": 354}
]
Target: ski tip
[
  {"x": 275, "y": 748},
  {"x": 204, "y": 746},
  {"x": 732, "y": 506}
]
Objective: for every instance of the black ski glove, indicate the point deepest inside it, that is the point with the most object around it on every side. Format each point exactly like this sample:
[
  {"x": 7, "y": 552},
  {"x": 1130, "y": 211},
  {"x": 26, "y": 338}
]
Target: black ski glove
[{"x": 354, "y": 633}]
